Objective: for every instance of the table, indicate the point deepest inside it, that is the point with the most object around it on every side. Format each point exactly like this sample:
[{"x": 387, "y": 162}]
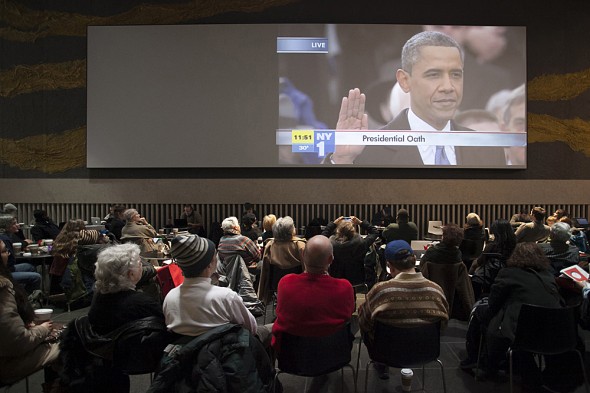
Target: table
[
  {"x": 155, "y": 255},
  {"x": 37, "y": 259}
]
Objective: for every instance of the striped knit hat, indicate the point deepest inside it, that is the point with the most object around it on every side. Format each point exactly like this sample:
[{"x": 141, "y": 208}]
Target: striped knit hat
[{"x": 192, "y": 253}]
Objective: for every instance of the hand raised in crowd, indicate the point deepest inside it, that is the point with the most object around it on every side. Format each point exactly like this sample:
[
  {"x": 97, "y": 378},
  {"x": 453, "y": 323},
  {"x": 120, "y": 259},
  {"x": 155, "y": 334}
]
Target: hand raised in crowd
[{"x": 352, "y": 116}]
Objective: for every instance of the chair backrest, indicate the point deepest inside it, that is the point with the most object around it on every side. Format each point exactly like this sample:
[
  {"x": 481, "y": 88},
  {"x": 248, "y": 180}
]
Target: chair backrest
[
  {"x": 313, "y": 356},
  {"x": 405, "y": 346},
  {"x": 435, "y": 228},
  {"x": 546, "y": 330},
  {"x": 276, "y": 273}
]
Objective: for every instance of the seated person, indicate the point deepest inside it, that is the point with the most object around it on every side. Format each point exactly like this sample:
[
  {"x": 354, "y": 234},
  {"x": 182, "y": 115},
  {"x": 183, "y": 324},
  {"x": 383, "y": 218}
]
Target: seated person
[
  {"x": 267, "y": 223},
  {"x": 313, "y": 304},
  {"x": 408, "y": 299},
  {"x": 44, "y": 227},
  {"x": 474, "y": 237},
  {"x": 23, "y": 273},
  {"x": 447, "y": 251},
  {"x": 402, "y": 229},
  {"x": 117, "y": 222},
  {"x": 18, "y": 235},
  {"x": 137, "y": 227},
  {"x": 534, "y": 231},
  {"x": 520, "y": 218},
  {"x": 233, "y": 242},
  {"x": 196, "y": 306},
  {"x": 526, "y": 279},
  {"x": 350, "y": 247},
  {"x": 486, "y": 267},
  {"x": 248, "y": 228},
  {"x": 24, "y": 346},
  {"x": 560, "y": 253},
  {"x": 116, "y": 302},
  {"x": 193, "y": 220},
  {"x": 383, "y": 217},
  {"x": 283, "y": 251}
]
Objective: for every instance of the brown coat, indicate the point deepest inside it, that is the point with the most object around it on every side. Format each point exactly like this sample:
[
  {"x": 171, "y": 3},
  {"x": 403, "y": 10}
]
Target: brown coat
[
  {"x": 23, "y": 350},
  {"x": 455, "y": 282},
  {"x": 282, "y": 254}
]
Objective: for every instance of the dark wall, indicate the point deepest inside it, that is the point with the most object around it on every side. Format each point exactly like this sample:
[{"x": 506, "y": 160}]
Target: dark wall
[{"x": 32, "y": 35}]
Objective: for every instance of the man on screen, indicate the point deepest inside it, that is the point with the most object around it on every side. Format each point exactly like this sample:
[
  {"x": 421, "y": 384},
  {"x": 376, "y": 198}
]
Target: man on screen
[{"x": 432, "y": 73}]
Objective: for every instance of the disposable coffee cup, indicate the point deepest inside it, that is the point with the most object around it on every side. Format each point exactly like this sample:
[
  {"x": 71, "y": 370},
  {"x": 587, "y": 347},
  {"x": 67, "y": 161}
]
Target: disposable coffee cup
[
  {"x": 161, "y": 231},
  {"x": 175, "y": 231},
  {"x": 17, "y": 247},
  {"x": 43, "y": 314},
  {"x": 407, "y": 375}
]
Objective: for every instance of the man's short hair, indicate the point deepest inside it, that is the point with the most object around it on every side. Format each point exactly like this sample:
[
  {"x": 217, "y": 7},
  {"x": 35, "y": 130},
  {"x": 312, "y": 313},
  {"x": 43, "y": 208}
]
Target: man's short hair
[
  {"x": 403, "y": 216},
  {"x": 561, "y": 232},
  {"x": 539, "y": 213},
  {"x": 283, "y": 228},
  {"x": 411, "y": 49}
]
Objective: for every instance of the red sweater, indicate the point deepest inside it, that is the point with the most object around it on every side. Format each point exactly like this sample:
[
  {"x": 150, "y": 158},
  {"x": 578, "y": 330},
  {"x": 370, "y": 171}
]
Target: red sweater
[{"x": 312, "y": 305}]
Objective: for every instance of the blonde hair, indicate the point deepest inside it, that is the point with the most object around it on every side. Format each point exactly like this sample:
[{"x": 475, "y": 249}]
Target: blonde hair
[
  {"x": 344, "y": 232},
  {"x": 268, "y": 221}
]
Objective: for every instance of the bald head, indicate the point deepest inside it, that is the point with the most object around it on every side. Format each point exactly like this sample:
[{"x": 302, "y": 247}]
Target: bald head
[{"x": 318, "y": 254}]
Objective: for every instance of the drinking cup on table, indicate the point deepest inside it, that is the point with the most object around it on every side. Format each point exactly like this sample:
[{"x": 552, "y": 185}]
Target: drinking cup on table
[
  {"x": 161, "y": 231},
  {"x": 175, "y": 231},
  {"x": 17, "y": 248}
]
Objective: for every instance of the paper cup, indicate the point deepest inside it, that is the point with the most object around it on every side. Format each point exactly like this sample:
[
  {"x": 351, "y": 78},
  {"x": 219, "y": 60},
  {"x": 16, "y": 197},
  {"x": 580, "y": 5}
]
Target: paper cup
[
  {"x": 17, "y": 247},
  {"x": 43, "y": 314},
  {"x": 406, "y": 374}
]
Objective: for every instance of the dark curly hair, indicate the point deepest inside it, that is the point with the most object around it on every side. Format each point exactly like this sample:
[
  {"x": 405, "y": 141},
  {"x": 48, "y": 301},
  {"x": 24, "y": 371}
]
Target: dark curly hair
[
  {"x": 528, "y": 255},
  {"x": 452, "y": 235}
]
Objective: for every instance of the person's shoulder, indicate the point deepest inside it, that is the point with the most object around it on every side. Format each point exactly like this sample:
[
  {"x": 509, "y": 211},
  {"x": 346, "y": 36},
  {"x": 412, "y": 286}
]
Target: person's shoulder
[{"x": 5, "y": 284}]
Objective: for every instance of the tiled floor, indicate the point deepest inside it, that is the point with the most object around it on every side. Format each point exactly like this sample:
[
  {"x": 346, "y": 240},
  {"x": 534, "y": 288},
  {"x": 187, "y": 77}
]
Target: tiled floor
[{"x": 452, "y": 350}]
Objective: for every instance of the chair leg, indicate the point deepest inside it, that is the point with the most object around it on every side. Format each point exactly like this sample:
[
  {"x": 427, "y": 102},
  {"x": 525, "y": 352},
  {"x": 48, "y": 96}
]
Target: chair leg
[
  {"x": 423, "y": 378},
  {"x": 510, "y": 365},
  {"x": 275, "y": 380},
  {"x": 367, "y": 375},
  {"x": 354, "y": 376},
  {"x": 358, "y": 359},
  {"x": 27, "y": 383},
  {"x": 478, "y": 355},
  {"x": 583, "y": 371},
  {"x": 442, "y": 370}
]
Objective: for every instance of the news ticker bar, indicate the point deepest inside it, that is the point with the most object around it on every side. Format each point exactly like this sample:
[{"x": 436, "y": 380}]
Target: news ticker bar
[
  {"x": 302, "y": 45},
  {"x": 324, "y": 142}
]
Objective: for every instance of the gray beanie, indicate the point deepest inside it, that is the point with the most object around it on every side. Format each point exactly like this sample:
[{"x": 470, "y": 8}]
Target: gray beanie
[{"x": 192, "y": 254}]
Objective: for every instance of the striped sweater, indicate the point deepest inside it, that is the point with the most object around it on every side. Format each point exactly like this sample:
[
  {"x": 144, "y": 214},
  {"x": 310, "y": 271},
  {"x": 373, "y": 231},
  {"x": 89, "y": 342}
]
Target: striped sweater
[{"x": 409, "y": 299}]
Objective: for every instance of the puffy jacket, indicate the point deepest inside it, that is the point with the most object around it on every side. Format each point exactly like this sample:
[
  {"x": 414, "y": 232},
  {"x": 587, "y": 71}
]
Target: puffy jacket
[{"x": 225, "y": 359}]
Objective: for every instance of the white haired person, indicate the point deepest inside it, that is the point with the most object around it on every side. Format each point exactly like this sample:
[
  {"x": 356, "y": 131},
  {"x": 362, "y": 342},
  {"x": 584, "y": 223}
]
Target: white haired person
[
  {"x": 233, "y": 242},
  {"x": 116, "y": 303}
]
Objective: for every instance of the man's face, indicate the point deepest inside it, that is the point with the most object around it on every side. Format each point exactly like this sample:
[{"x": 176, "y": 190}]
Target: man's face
[
  {"x": 13, "y": 228},
  {"x": 517, "y": 121},
  {"x": 188, "y": 210},
  {"x": 435, "y": 84}
]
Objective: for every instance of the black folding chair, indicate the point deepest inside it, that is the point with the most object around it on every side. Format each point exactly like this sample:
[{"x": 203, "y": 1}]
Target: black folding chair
[
  {"x": 405, "y": 347},
  {"x": 546, "y": 331},
  {"x": 315, "y": 356}
]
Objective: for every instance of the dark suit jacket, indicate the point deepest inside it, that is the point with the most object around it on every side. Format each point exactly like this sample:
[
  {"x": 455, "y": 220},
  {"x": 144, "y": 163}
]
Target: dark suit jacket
[{"x": 409, "y": 156}]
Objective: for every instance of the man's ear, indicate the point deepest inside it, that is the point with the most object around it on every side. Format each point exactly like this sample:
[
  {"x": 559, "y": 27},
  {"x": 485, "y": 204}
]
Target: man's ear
[{"x": 403, "y": 78}]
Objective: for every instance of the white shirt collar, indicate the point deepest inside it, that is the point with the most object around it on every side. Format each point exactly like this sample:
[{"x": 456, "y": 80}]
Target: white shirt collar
[{"x": 428, "y": 152}]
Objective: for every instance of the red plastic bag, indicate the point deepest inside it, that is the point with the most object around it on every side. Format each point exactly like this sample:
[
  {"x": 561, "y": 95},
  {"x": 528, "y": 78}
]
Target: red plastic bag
[{"x": 169, "y": 276}]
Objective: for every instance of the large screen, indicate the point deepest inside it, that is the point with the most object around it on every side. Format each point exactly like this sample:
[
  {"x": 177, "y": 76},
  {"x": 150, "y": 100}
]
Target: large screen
[{"x": 306, "y": 95}]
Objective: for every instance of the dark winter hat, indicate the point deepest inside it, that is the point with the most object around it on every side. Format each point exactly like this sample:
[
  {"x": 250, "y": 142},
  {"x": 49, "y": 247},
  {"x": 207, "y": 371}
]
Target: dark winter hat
[{"x": 192, "y": 254}]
